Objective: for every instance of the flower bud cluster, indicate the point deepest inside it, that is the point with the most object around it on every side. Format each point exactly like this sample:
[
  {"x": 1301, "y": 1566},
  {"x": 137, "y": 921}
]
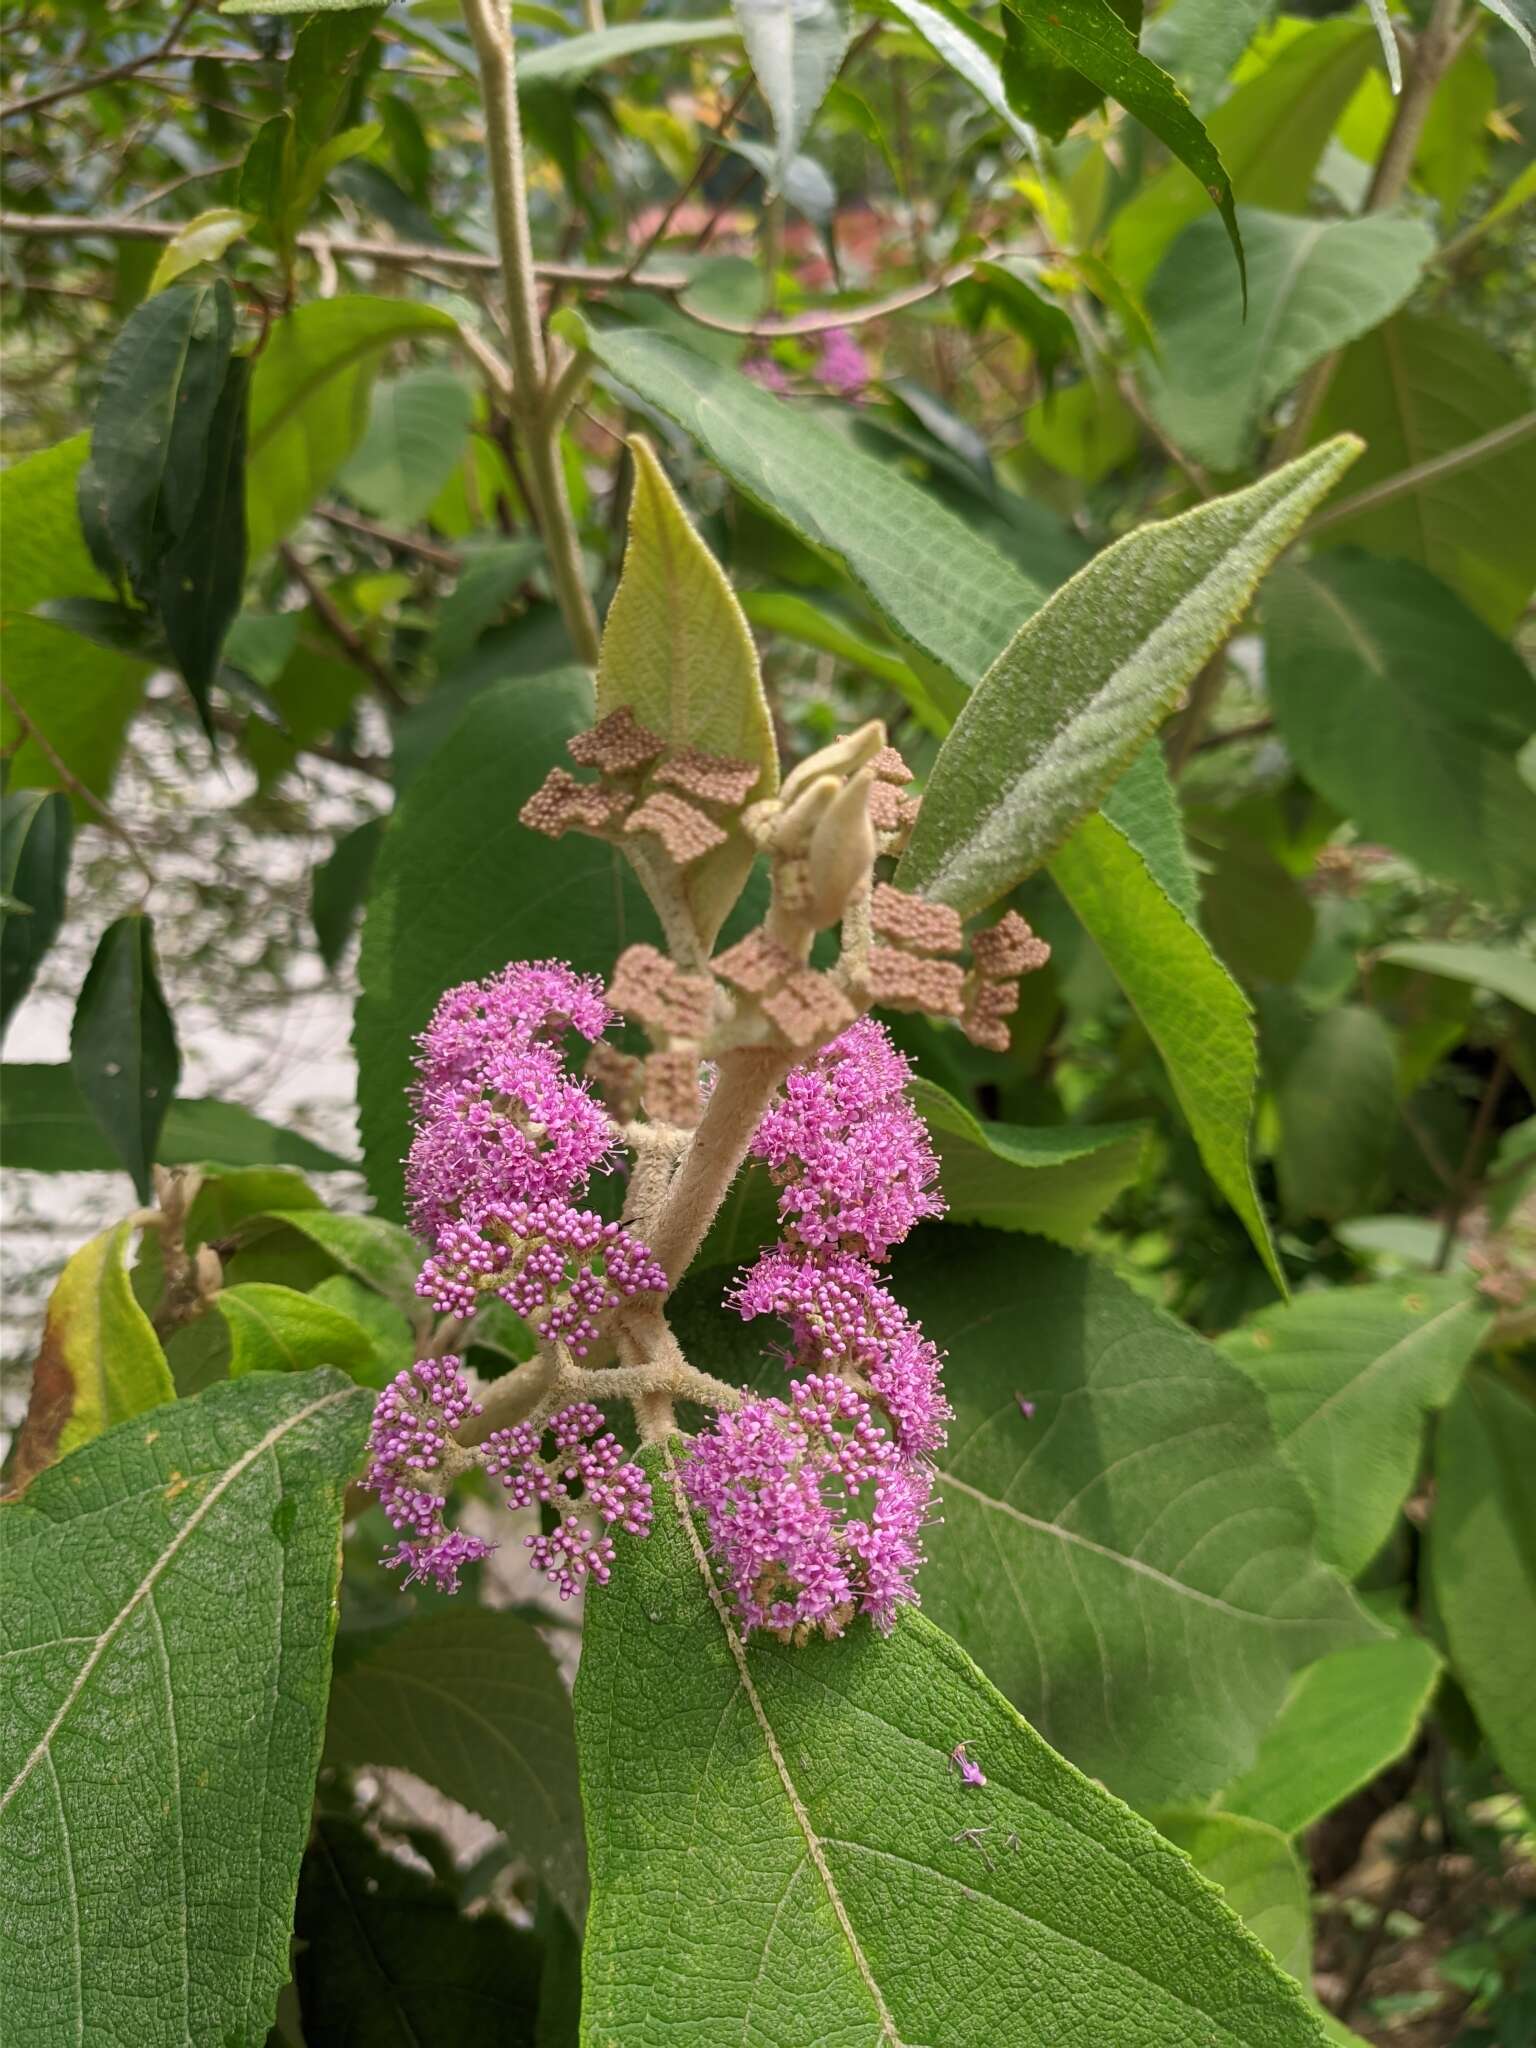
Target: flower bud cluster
[
  {"x": 587, "y": 1464},
  {"x": 557, "y": 1266},
  {"x": 413, "y": 1421}
]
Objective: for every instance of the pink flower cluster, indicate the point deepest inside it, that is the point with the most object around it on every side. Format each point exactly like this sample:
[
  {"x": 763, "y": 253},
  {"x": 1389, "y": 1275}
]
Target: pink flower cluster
[
  {"x": 586, "y": 1457},
  {"x": 777, "y": 1482},
  {"x": 558, "y": 1267},
  {"x": 416, "y": 1414}
]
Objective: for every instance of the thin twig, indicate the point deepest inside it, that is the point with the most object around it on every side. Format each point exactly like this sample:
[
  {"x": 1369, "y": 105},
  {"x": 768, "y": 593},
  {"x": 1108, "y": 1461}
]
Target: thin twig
[
  {"x": 351, "y": 643},
  {"x": 1255, "y": 729},
  {"x": 72, "y": 90},
  {"x": 707, "y": 156},
  {"x": 72, "y": 783},
  {"x": 1466, "y": 1175},
  {"x": 402, "y": 543}
]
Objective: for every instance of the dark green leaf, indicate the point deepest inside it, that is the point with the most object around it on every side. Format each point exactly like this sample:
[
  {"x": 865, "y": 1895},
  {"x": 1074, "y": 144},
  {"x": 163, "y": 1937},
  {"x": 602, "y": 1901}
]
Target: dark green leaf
[
  {"x": 1011, "y": 292},
  {"x": 1335, "y": 1085},
  {"x": 36, "y": 838},
  {"x": 1041, "y": 86},
  {"x": 376, "y": 1252},
  {"x": 46, "y": 1126},
  {"x": 202, "y": 575},
  {"x": 971, "y": 49},
  {"x": 122, "y": 1045},
  {"x": 169, "y": 1603},
  {"x": 340, "y": 887}
]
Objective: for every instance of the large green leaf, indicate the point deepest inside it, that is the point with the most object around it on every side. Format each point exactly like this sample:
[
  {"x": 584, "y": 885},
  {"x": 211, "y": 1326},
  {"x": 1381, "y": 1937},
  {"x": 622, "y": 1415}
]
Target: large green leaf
[
  {"x": 1335, "y": 1093},
  {"x": 1312, "y": 286},
  {"x": 169, "y": 1604},
  {"x": 1350, "y": 1375},
  {"x": 1406, "y": 712},
  {"x": 1070, "y": 700},
  {"x": 1144, "y": 807},
  {"x": 1503, "y": 969},
  {"x": 1345, "y": 1719},
  {"x": 309, "y": 400},
  {"x": 1260, "y": 1875},
  {"x": 122, "y": 1045},
  {"x": 1199, "y": 41},
  {"x": 795, "y": 48},
  {"x": 370, "y": 1248},
  {"x": 277, "y": 1329},
  {"x": 1046, "y": 89},
  {"x": 570, "y": 60},
  {"x": 417, "y": 428},
  {"x": 36, "y": 839},
  {"x": 1418, "y": 387},
  {"x": 201, "y": 577},
  {"x": 677, "y": 650},
  {"x": 47, "y": 1127},
  {"x": 100, "y": 1361},
  {"x": 1482, "y": 1560},
  {"x": 473, "y": 1703},
  {"x": 442, "y": 911},
  {"x": 781, "y": 1851},
  {"x": 77, "y": 695},
  {"x": 1195, "y": 1014},
  {"x": 942, "y": 587}
]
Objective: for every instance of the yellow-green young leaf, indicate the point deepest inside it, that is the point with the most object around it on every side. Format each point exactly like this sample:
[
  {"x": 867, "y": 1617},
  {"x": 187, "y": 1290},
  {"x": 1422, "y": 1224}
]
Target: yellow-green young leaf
[
  {"x": 203, "y": 240},
  {"x": 1482, "y": 1557},
  {"x": 1072, "y": 697},
  {"x": 277, "y": 1329},
  {"x": 1345, "y": 1719},
  {"x": 100, "y": 1360},
  {"x": 677, "y": 649},
  {"x": 1260, "y": 1875},
  {"x": 166, "y": 1635},
  {"x": 1350, "y": 1375},
  {"x": 375, "y": 1251},
  {"x": 1194, "y": 1012},
  {"x": 782, "y": 1852}
]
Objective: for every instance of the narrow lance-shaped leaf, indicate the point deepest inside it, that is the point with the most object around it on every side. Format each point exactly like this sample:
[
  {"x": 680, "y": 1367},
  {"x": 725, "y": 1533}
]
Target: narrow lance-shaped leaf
[
  {"x": 167, "y": 1628},
  {"x": 795, "y": 48},
  {"x": 1051, "y": 93},
  {"x": 782, "y": 1851},
  {"x": 972, "y": 51},
  {"x": 36, "y": 838},
  {"x": 99, "y": 1362},
  {"x": 1072, "y": 697},
  {"x": 122, "y": 1045},
  {"x": 202, "y": 575}
]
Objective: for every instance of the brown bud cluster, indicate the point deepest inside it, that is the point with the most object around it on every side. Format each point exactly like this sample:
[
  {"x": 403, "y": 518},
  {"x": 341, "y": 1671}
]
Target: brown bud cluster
[
  {"x": 1000, "y": 957},
  {"x": 805, "y": 1006},
  {"x": 655, "y": 992}
]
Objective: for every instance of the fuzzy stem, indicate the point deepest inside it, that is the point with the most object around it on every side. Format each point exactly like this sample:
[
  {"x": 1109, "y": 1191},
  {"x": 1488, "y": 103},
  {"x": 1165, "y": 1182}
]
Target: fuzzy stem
[{"x": 747, "y": 1080}]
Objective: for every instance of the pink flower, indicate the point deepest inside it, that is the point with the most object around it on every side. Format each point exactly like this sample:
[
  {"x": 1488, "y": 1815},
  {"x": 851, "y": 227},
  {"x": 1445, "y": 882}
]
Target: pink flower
[
  {"x": 559, "y": 1267},
  {"x": 587, "y": 1464},
  {"x": 412, "y": 1421},
  {"x": 842, "y": 365},
  {"x": 765, "y": 371}
]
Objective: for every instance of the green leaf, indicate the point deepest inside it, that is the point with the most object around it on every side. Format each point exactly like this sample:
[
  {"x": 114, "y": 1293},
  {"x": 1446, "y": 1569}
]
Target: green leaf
[
  {"x": 972, "y": 51},
  {"x": 416, "y": 435},
  {"x": 46, "y": 1126},
  {"x": 1133, "y": 1562},
  {"x": 1500, "y": 968},
  {"x": 339, "y": 888},
  {"x": 1407, "y": 713},
  {"x": 309, "y": 400},
  {"x": 1350, "y": 1375},
  {"x": 1091, "y": 37},
  {"x": 1144, "y": 806},
  {"x": 1416, "y": 388},
  {"x": 1057, "y": 1181},
  {"x": 677, "y": 650},
  {"x": 203, "y": 239},
  {"x": 815, "y": 624},
  {"x": 1260, "y": 1876},
  {"x": 781, "y": 1850},
  {"x": 1259, "y": 919},
  {"x": 122, "y": 1045},
  {"x": 100, "y": 1361},
  {"x": 1520, "y": 15},
  {"x": 1199, "y": 41},
  {"x": 968, "y": 601},
  {"x": 568, "y": 62},
  {"x": 1482, "y": 1562},
  {"x": 385, "y": 1957},
  {"x": 1012, "y": 292},
  {"x": 1072, "y": 697},
  {"x": 277, "y": 1329},
  {"x": 170, "y": 1598},
  {"x": 1313, "y": 285},
  {"x": 473, "y": 1703},
  {"x": 375, "y": 1251},
  {"x": 36, "y": 840},
  {"x": 1335, "y": 1086},
  {"x": 1193, "y": 1011},
  {"x": 202, "y": 575},
  {"x": 1345, "y": 1719},
  {"x": 160, "y": 391},
  {"x": 1046, "y": 90},
  {"x": 490, "y": 579},
  {"x": 795, "y": 48},
  {"x": 441, "y": 912}
]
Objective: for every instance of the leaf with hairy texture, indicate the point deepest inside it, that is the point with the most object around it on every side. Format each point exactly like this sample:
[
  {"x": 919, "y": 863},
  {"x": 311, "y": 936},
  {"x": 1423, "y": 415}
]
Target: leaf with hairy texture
[
  {"x": 1345, "y": 1719},
  {"x": 170, "y": 1600},
  {"x": 1091, "y": 37},
  {"x": 309, "y": 400},
  {"x": 845, "y": 502},
  {"x": 1194, "y": 1012},
  {"x": 1057, "y": 1180},
  {"x": 99, "y": 1362},
  {"x": 122, "y": 1045},
  {"x": 440, "y": 910},
  {"x": 37, "y": 837},
  {"x": 1071, "y": 699},
  {"x": 1313, "y": 285},
  {"x": 1144, "y": 806},
  {"x": 1260, "y": 1876},
  {"x": 46, "y": 1126},
  {"x": 781, "y": 1850},
  {"x": 1502, "y": 969},
  {"x": 1335, "y": 1094},
  {"x": 1199, "y": 41},
  {"x": 203, "y": 239},
  {"x": 417, "y": 430},
  {"x": 1520, "y": 15},
  {"x": 1350, "y": 1375},
  {"x": 1421, "y": 386},
  {"x": 277, "y": 1329},
  {"x": 1482, "y": 1562},
  {"x": 677, "y": 650},
  {"x": 386, "y": 1957},
  {"x": 473, "y": 1703},
  {"x": 1406, "y": 712},
  {"x": 795, "y": 48},
  {"x": 972, "y": 51}
]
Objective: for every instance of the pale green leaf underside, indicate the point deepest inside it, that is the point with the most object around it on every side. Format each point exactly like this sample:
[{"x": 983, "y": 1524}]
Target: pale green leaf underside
[
  {"x": 1065, "y": 707},
  {"x": 1349, "y": 1375},
  {"x": 1500, "y": 968},
  {"x": 775, "y": 1862},
  {"x": 166, "y": 1653},
  {"x": 794, "y": 48}
]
